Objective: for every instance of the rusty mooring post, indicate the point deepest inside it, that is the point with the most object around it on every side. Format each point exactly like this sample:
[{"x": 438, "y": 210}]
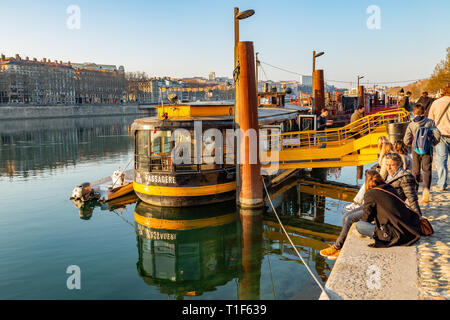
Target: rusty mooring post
[
  {"x": 359, "y": 172},
  {"x": 249, "y": 187},
  {"x": 319, "y": 88},
  {"x": 361, "y": 100},
  {"x": 252, "y": 253}
]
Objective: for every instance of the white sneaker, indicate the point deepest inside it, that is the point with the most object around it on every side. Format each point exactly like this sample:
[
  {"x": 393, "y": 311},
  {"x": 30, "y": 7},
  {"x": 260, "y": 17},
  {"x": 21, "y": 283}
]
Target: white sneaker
[{"x": 351, "y": 206}]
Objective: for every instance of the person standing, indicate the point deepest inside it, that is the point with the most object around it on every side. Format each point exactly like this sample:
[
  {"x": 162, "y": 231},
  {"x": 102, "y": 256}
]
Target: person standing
[
  {"x": 404, "y": 103},
  {"x": 426, "y": 101},
  {"x": 440, "y": 113},
  {"x": 322, "y": 124},
  {"x": 421, "y": 134},
  {"x": 356, "y": 128}
]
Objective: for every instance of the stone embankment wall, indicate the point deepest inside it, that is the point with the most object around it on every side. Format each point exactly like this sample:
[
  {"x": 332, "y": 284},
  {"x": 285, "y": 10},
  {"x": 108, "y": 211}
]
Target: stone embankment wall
[{"x": 34, "y": 112}]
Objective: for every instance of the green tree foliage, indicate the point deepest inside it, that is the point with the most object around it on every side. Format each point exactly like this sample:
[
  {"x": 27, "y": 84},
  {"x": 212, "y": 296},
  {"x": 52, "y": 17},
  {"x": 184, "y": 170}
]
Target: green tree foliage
[{"x": 441, "y": 74}]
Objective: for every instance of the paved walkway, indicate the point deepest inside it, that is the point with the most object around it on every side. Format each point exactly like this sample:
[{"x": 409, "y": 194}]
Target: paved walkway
[
  {"x": 433, "y": 253},
  {"x": 421, "y": 271}
]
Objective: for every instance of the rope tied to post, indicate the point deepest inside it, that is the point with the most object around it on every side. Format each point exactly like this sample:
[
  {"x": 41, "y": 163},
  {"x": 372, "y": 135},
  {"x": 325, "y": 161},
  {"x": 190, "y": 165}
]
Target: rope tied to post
[
  {"x": 292, "y": 244},
  {"x": 236, "y": 73}
]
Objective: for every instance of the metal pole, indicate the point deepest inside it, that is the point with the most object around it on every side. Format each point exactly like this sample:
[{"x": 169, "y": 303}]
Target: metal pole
[
  {"x": 256, "y": 71},
  {"x": 313, "y": 108}
]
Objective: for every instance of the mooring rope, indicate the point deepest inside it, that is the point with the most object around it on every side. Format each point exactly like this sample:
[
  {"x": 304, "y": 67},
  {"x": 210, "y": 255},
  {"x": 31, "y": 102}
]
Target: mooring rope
[
  {"x": 292, "y": 244},
  {"x": 123, "y": 171}
]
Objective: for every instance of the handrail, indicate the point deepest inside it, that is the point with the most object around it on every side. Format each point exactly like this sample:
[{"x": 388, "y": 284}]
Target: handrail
[{"x": 339, "y": 136}]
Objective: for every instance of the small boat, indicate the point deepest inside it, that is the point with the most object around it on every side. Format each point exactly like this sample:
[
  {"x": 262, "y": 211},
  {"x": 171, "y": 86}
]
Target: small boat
[{"x": 119, "y": 184}]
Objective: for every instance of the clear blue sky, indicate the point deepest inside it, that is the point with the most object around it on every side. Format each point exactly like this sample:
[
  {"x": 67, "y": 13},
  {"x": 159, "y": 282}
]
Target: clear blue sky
[{"x": 191, "y": 38}]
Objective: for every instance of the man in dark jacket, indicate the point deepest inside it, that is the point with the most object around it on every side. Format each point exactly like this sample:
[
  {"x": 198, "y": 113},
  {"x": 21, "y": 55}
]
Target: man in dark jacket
[
  {"x": 403, "y": 181},
  {"x": 395, "y": 224},
  {"x": 426, "y": 101},
  {"x": 421, "y": 161},
  {"x": 322, "y": 124},
  {"x": 404, "y": 103}
]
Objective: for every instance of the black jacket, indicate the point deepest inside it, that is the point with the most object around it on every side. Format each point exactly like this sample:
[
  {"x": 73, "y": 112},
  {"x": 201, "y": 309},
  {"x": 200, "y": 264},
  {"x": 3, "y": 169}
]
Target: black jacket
[
  {"x": 404, "y": 103},
  {"x": 405, "y": 185},
  {"x": 396, "y": 225},
  {"x": 321, "y": 123},
  {"x": 426, "y": 102}
]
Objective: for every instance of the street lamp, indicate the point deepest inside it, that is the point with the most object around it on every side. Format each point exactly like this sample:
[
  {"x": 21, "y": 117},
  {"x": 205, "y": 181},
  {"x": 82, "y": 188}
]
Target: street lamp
[
  {"x": 315, "y": 55},
  {"x": 239, "y": 16}
]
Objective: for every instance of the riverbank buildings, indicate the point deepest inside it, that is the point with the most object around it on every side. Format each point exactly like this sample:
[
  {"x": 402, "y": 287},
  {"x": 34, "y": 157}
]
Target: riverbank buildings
[{"x": 46, "y": 82}]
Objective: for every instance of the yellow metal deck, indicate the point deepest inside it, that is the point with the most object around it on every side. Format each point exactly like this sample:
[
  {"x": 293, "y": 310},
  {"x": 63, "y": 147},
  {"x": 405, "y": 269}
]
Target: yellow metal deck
[{"x": 352, "y": 145}]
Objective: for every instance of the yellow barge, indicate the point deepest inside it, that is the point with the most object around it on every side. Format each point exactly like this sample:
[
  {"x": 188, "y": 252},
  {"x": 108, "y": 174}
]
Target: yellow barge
[{"x": 204, "y": 180}]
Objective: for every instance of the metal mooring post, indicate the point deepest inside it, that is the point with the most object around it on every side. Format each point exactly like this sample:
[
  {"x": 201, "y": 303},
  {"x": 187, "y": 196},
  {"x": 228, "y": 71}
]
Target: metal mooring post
[{"x": 249, "y": 186}]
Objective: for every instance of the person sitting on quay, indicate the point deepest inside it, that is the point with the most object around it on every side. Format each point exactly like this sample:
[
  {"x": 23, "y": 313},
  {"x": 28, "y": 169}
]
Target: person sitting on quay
[
  {"x": 422, "y": 134},
  {"x": 385, "y": 149},
  {"x": 395, "y": 224},
  {"x": 440, "y": 113},
  {"x": 404, "y": 184},
  {"x": 401, "y": 148},
  {"x": 358, "y": 200},
  {"x": 402, "y": 181}
]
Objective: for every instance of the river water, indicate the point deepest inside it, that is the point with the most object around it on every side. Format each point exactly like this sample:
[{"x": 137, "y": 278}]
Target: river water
[{"x": 130, "y": 250}]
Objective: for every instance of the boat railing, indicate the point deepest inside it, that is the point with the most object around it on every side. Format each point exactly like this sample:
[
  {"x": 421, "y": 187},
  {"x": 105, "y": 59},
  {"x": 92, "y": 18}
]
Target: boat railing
[{"x": 340, "y": 136}]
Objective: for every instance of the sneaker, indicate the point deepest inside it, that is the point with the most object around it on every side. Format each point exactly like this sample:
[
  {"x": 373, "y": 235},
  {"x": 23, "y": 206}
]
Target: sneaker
[
  {"x": 330, "y": 252},
  {"x": 351, "y": 206},
  {"x": 437, "y": 188},
  {"x": 425, "y": 196},
  {"x": 334, "y": 256}
]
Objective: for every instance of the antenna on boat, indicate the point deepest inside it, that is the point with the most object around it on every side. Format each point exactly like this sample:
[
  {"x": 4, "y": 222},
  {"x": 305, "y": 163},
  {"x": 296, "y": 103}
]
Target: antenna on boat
[{"x": 162, "y": 100}]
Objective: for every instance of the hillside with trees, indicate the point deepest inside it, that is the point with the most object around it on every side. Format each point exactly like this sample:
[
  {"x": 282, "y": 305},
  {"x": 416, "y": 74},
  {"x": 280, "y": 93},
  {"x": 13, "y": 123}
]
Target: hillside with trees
[{"x": 439, "y": 78}]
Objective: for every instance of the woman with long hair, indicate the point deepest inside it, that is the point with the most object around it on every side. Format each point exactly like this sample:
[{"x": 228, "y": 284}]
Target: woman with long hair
[
  {"x": 386, "y": 148},
  {"x": 401, "y": 148},
  {"x": 395, "y": 224},
  {"x": 381, "y": 141}
]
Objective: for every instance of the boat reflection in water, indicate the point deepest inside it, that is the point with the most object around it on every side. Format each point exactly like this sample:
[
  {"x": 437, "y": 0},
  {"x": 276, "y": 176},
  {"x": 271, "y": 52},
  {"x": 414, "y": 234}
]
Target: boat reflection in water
[
  {"x": 217, "y": 252},
  {"x": 187, "y": 251}
]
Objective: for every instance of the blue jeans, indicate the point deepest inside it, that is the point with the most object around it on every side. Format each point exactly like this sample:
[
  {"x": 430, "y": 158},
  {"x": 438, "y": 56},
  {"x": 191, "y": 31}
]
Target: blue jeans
[
  {"x": 365, "y": 228},
  {"x": 322, "y": 139},
  {"x": 442, "y": 150},
  {"x": 347, "y": 220}
]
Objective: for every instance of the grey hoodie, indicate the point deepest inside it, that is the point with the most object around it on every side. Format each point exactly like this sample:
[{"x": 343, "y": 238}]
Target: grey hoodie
[{"x": 420, "y": 121}]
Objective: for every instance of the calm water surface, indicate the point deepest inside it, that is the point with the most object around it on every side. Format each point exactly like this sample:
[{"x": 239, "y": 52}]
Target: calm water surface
[{"x": 130, "y": 250}]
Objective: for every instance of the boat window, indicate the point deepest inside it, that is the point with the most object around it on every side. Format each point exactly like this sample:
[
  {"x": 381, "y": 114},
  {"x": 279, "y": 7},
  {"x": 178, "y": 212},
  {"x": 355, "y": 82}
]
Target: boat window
[
  {"x": 161, "y": 142},
  {"x": 142, "y": 149},
  {"x": 160, "y": 158}
]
